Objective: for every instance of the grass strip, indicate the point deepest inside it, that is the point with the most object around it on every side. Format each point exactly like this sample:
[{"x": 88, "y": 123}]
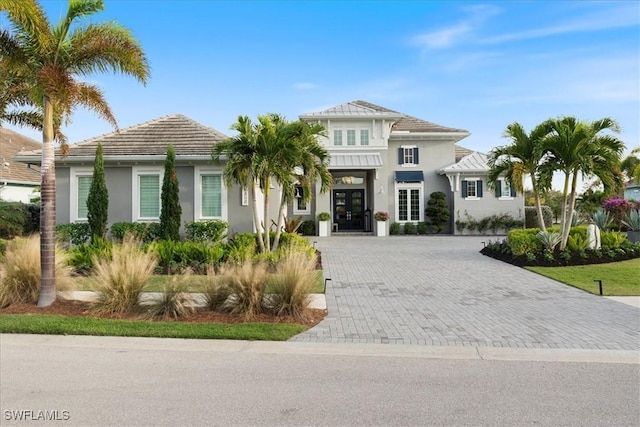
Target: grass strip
[
  {"x": 64, "y": 325},
  {"x": 618, "y": 278}
]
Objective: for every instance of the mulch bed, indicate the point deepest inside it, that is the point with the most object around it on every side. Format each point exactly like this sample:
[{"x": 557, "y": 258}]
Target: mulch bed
[
  {"x": 575, "y": 259},
  {"x": 199, "y": 315}
]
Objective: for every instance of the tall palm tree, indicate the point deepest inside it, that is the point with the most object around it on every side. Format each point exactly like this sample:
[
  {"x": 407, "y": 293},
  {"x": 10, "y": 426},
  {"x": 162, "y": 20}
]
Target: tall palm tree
[
  {"x": 522, "y": 157},
  {"x": 631, "y": 165},
  {"x": 579, "y": 148},
  {"x": 239, "y": 153},
  {"x": 306, "y": 161},
  {"x": 50, "y": 59}
]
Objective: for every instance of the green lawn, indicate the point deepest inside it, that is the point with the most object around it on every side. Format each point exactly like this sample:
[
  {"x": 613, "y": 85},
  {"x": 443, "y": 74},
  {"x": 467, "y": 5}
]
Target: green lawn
[
  {"x": 62, "y": 325},
  {"x": 197, "y": 283},
  {"x": 618, "y": 278}
]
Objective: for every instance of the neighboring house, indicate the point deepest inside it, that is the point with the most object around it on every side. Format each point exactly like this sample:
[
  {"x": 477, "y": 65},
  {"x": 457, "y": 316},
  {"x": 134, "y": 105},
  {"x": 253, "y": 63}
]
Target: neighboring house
[
  {"x": 632, "y": 190},
  {"x": 18, "y": 183},
  {"x": 134, "y": 169},
  {"x": 381, "y": 160}
]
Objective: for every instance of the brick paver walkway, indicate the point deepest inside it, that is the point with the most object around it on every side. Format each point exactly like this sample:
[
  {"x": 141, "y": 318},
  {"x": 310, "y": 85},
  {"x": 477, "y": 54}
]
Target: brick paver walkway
[{"x": 439, "y": 290}]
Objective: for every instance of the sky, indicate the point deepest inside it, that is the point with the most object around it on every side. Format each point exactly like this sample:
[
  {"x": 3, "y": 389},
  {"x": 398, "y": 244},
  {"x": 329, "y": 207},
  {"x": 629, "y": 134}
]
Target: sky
[{"x": 478, "y": 66}]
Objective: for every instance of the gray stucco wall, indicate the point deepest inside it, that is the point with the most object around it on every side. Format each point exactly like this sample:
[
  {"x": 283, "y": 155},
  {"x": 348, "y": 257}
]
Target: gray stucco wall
[
  {"x": 63, "y": 182},
  {"x": 118, "y": 181},
  {"x": 240, "y": 217}
]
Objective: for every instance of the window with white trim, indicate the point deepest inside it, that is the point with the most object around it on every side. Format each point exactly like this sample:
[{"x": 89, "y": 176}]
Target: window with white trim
[
  {"x": 408, "y": 155},
  {"x": 364, "y": 136},
  {"x": 351, "y": 137},
  {"x": 504, "y": 190},
  {"x": 299, "y": 206},
  {"x": 471, "y": 188},
  {"x": 80, "y": 186},
  {"x": 147, "y": 188},
  {"x": 210, "y": 195},
  {"x": 337, "y": 137},
  {"x": 409, "y": 202}
]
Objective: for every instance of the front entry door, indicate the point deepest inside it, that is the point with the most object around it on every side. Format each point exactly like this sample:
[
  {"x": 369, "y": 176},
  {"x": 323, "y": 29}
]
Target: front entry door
[{"x": 348, "y": 209}]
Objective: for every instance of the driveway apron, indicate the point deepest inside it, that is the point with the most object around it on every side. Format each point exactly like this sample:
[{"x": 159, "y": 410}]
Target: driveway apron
[{"x": 439, "y": 290}]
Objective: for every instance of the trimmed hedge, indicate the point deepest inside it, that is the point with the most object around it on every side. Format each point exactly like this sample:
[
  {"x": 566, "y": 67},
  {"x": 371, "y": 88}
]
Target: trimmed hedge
[
  {"x": 206, "y": 231},
  {"x": 146, "y": 231},
  {"x": 531, "y": 216},
  {"x": 524, "y": 241}
]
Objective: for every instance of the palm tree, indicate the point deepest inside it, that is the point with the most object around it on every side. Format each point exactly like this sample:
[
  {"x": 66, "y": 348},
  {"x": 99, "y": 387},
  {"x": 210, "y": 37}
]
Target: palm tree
[
  {"x": 305, "y": 162},
  {"x": 578, "y": 148},
  {"x": 631, "y": 165},
  {"x": 50, "y": 59},
  {"x": 239, "y": 153},
  {"x": 522, "y": 157}
]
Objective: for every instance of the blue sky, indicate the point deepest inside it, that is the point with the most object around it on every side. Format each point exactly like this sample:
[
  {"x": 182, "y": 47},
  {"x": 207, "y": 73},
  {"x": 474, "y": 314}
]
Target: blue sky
[{"x": 472, "y": 65}]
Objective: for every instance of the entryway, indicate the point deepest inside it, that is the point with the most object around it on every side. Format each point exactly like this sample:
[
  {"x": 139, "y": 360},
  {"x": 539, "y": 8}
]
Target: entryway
[{"x": 348, "y": 209}]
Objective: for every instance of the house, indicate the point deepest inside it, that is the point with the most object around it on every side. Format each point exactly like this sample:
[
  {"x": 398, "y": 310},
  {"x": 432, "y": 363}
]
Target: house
[
  {"x": 384, "y": 160},
  {"x": 380, "y": 160},
  {"x": 18, "y": 183},
  {"x": 632, "y": 190}
]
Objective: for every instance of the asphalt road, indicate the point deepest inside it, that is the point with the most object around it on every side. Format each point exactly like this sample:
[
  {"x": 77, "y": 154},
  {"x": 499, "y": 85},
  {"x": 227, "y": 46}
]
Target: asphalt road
[{"x": 87, "y": 381}]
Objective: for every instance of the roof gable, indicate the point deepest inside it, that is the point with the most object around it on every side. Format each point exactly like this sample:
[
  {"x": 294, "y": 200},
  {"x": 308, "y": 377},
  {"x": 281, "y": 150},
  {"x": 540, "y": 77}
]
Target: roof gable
[
  {"x": 11, "y": 143},
  {"x": 474, "y": 162}
]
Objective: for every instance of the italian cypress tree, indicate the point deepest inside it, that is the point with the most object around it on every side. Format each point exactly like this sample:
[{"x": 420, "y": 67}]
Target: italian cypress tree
[
  {"x": 171, "y": 210},
  {"x": 437, "y": 210},
  {"x": 98, "y": 199}
]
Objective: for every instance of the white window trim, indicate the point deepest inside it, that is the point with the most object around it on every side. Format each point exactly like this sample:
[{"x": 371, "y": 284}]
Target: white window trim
[
  {"x": 135, "y": 190},
  {"x": 504, "y": 182},
  {"x": 345, "y": 137},
  {"x": 476, "y": 181},
  {"x": 73, "y": 192},
  {"x": 413, "y": 163},
  {"x": 409, "y": 186},
  {"x": 341, "y": 138},
  {"x": 197, "y": 202}
]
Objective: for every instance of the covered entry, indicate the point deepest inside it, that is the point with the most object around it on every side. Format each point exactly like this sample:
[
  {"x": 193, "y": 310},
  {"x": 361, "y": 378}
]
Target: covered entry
[{"x": 348, "y": 209}]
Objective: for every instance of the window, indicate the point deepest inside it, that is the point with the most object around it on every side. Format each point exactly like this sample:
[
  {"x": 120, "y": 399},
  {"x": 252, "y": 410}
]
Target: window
[
  {"x": 504, "y": 190},
  {"x": 472, "y": 188},
  {"x": 409, "y": 202},
  {"x": 210, "y": 195},
  {"x": 147, "y": 184},
  {"x": 408, "y": 155},
  {"x": 364, "y": 137},
  {"x": 80, "y": 185},
  {"x": 351, "y": 137},
  {"x": 337, "y": 137},
  {"x": 299, "y": 206}
]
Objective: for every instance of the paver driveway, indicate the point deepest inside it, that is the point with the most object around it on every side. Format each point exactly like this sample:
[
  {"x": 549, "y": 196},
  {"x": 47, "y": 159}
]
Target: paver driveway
[{"x": 439, "y": 290}]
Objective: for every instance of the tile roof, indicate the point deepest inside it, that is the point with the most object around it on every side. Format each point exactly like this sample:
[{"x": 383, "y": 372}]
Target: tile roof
[
  {"x": 152, "y": 138},
  {"x": 474, "y": 162},
  {"x": 403, "y": 123},
  {"x": 460, "y": 152},
  {"x": 11, "y": 143}
]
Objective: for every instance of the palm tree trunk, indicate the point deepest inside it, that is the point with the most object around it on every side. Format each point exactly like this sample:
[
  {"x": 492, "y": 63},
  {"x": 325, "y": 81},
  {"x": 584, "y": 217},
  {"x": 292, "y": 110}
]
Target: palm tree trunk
[
  {"x": 48, "y": 212},
  {"x": 572, "y": 205},
  {"x": 256, "y": 216},
  {"x": 283, "y": 206},
  {"x": 267, "y": 191},
  {"x": 565, "y": 202},
  {"x": 536, "y": 195}
]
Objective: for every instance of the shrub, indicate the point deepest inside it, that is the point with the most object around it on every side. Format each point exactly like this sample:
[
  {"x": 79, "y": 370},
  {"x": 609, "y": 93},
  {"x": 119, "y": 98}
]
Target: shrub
[
  {"x": 394, "y": 228},
  {"x": 246, "y": 282},
  {"x": 20, "y": 272},
  {"x": 602, "y": 219},
  {"x": 324, "y": 216},
  {"x": 618, "y": 208},
  {"x": 120, "y": 281},
  {"x": 381, "y": 216},
  {"x": 174, "y": 257},
  {"x": 292, "y": 225},
  {"x": 308, "y": 228},
  {"x": 32, "y": 218},
  {"x": 206, "y": 231},
  {"x": 409, "y": 228},
  {"x": 531, "y": 216},
  {"x": 577, "y": 242},
  {"x": 291, "y": 285},
  {"x": 174, "y": 302},
  {"x": 632, "y": 220},
  {"x": 76, "y": 234},
  {"x": 241, "y": 247},
  {"x": 422, "y": 227},
  {"x": 98, "y": 199},
  {"x": 612, "y": 239},
  {"x": 437, "y": 210},
  {"x": 171, "y": 212},
  {"x": 82, "y": 257},
  {"x": 145, "y": 232},
  {"x": 12, "y": 219},
  {"x": 524, "y": 241},
  {"x": 461, "y": 225}
]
